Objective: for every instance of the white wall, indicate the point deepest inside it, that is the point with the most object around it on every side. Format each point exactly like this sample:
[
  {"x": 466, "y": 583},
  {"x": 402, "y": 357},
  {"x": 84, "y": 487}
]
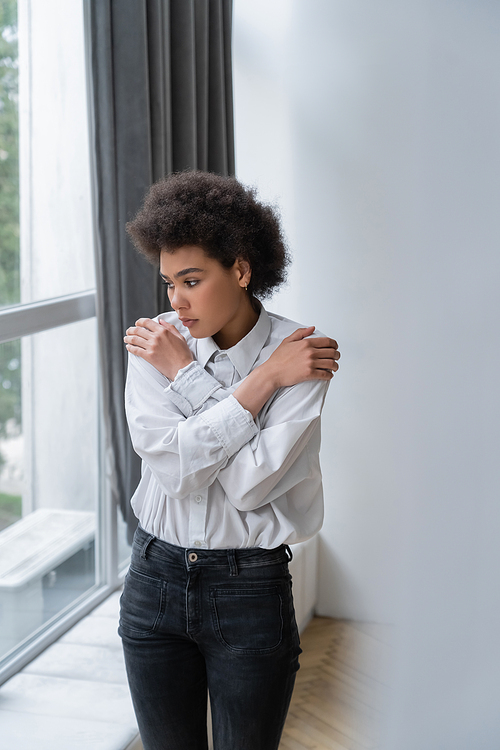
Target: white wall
[
  {"x": 393, "y": 207},
  {"x": 295, "y": 94}
]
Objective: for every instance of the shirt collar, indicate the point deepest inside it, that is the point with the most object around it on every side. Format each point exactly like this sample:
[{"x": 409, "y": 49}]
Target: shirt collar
[{"x": 245, "y": 352}]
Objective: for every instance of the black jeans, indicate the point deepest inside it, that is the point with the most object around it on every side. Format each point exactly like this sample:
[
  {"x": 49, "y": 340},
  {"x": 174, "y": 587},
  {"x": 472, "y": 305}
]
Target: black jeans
[{"x": 221, "y": 620}]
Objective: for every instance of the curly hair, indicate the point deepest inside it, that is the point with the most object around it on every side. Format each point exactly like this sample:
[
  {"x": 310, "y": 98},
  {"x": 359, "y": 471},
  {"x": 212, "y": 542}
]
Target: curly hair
[{"x": 218, "y": 214}]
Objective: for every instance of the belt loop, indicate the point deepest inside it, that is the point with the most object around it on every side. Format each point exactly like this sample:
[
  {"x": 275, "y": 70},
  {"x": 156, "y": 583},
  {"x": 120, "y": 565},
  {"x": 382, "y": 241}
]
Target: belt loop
[
  {"x": 288, "y": 552},
  {"x": 145, "y": 546},
  {"x": 231, "y": 558}
]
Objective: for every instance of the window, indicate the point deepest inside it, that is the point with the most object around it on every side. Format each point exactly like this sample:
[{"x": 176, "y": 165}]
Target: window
[{"x": 58, "y": 538}]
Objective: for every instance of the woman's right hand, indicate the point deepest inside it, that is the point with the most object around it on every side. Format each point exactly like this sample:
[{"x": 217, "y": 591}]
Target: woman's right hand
[
  {"x": 160, "y": 344},
  {"x": 299, "y": 358}
]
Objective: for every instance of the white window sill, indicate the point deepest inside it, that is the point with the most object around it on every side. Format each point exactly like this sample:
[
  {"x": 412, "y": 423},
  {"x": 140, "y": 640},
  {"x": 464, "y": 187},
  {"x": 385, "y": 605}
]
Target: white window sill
[{"x": 74, "y": 695}]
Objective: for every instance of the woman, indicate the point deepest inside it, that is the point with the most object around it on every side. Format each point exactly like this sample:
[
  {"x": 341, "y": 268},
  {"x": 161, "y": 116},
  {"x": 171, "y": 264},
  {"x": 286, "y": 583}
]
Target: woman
[{"x": 223, "y": 402}]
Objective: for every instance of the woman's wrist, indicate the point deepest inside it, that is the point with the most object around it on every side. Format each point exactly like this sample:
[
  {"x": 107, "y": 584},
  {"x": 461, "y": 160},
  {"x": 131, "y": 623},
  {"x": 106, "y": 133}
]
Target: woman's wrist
[
  {"x": 172, "y": 369},
  {"x": 270, "y": 375},
  {"x": 257, "y": 389}
]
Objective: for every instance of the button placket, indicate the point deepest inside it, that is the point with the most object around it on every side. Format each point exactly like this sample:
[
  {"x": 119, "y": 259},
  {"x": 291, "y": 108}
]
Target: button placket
[{"x": 197, "y": 519}]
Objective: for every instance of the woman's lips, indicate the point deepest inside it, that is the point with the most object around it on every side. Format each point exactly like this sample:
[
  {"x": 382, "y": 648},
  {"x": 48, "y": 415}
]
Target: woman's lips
[{"x": 188, "y": 322}]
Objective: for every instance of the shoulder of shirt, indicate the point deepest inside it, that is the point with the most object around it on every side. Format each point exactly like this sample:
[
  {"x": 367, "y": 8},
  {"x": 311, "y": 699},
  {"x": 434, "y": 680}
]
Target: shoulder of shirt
[
  {"x": 283, "y": 327},
  {"x": 171, "y": 317}
]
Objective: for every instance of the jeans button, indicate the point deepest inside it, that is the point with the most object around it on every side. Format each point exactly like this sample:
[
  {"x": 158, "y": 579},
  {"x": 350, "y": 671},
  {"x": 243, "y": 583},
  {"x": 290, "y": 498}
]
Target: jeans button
[{"x": 192, "y": 557}]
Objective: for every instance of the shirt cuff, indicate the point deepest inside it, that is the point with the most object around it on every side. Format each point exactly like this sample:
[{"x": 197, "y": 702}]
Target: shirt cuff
[
  {"x": 191, "y": 387},
  {"x": 231, "y": 423}
]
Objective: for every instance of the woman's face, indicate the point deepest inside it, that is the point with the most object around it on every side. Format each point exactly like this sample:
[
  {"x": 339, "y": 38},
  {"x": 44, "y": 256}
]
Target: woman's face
[{"x": 209, "y": 299}]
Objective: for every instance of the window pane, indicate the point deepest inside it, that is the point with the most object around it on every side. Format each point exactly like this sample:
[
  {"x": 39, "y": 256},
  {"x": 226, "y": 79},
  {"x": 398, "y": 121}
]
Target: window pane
[
  {"x": 55, "y": 186},
  {"x": 49, "y": 477},
  {"x": 45, "y": 199},
  {"x": 9, "y": 158},
  {"x": 11, "y": 438}
]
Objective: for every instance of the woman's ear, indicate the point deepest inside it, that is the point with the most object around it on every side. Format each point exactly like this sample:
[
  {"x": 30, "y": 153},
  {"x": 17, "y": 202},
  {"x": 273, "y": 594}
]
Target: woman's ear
[{"x": 243, "y": 271}]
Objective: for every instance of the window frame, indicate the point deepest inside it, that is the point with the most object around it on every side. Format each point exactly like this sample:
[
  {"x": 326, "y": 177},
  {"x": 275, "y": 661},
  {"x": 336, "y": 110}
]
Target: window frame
[
  {"x": 17, "y": 321},
  {"x": 23, "y": 320}
]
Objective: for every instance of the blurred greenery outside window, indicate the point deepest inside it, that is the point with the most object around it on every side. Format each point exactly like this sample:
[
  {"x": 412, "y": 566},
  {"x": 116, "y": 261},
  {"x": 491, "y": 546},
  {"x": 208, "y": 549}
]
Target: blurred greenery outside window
[{"x": 10, "y": 353}]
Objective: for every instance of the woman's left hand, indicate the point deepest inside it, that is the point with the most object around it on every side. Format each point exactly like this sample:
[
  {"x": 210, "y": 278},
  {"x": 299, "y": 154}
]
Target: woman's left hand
[{"x": 160, "y": 344}]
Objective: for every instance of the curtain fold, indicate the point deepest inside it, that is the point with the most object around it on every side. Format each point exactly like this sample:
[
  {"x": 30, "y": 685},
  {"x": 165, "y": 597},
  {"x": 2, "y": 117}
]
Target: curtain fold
[{"x": 161, "y": 86}]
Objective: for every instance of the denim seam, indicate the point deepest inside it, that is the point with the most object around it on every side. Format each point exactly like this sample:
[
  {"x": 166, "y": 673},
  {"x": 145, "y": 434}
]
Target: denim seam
[{"x": 132, "y": 632}]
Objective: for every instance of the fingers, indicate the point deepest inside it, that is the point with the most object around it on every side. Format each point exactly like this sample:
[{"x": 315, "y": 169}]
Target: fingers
[
  {"x": 171, "y": 328},
  {"x": 144, "y": 327},
  {"x": 322, "y": 354},
  {"x": 148, "y": 324},
  {"x": 327, "y": 352},
  {"x": 319, "y": 342},
  {"x": 327, "y": 364},
  {"x": 325, "y": 358},
  {"x": 301, "y": 333},
  {"x": 305, "y": 357},
  {"x": 322, "y": 342},
  {"x": 135, "y": 337},
  {"x": 137, "y": 331}
]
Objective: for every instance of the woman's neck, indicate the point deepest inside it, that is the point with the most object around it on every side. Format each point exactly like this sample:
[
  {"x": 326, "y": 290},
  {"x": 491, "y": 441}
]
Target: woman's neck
[{"x": 237, "y": 328}]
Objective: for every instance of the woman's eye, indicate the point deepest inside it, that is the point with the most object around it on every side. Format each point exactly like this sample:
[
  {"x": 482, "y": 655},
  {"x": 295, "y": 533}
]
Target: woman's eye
[{"x": 188, "y": 283}]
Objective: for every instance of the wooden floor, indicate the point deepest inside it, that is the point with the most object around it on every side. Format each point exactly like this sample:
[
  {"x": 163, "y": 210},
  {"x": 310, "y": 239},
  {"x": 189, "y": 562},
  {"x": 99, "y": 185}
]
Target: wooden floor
[{"x": 338, "y": 702}]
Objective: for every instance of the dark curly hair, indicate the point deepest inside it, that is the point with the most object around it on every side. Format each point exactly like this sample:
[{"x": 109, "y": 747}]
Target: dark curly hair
[{"x": 218, "y": 214}]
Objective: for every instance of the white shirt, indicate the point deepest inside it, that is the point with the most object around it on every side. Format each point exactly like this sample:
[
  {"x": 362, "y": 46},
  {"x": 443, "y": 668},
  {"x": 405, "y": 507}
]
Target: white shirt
[{"x": 212, "y": 477}]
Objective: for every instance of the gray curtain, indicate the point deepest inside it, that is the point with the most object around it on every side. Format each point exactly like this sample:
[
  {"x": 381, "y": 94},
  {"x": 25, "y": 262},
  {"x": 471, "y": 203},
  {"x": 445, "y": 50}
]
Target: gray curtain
[{"x": 162, "y": 102}]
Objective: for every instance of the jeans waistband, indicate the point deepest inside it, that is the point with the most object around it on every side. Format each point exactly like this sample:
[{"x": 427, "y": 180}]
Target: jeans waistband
[{"x": 147, "y": 545}]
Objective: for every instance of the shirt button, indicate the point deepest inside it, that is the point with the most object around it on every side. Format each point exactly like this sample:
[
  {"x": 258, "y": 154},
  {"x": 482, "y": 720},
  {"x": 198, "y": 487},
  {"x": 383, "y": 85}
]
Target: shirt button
[
  {"x": 198, "y": 498},
  {"x": 192, "y": 557},
  {"x": 197, "y": 544}
]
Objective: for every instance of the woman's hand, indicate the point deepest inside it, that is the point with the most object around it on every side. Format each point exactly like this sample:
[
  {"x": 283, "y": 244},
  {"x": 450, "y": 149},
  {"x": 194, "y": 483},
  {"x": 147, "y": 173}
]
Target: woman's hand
[
  {"x": 299, "y": 358},
  {"x": 160, "y": 344},
  {"x": 295, "y": 360}
]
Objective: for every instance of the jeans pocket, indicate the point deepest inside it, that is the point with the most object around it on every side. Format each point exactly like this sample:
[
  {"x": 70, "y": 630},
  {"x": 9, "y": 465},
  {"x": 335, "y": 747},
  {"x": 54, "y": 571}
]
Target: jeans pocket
[
  {"x": 248, "y": 620},
  {"x": 142, "y": 604}
]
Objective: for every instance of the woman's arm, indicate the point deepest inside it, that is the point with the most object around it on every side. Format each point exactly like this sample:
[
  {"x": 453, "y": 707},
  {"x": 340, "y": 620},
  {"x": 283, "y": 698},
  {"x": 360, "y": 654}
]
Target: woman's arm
[
  {"x": 222, "y": 441},
  {"x": 187, "y": 450},
  {"x": 296, "y": 360},
  {"x": 282, "y": 453},
  {"x": 184, "y": 435}
]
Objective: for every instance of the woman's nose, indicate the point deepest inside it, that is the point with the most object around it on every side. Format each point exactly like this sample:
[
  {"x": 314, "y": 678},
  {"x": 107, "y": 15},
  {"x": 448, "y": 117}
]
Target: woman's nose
[{"x": 177, "y": 299}]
